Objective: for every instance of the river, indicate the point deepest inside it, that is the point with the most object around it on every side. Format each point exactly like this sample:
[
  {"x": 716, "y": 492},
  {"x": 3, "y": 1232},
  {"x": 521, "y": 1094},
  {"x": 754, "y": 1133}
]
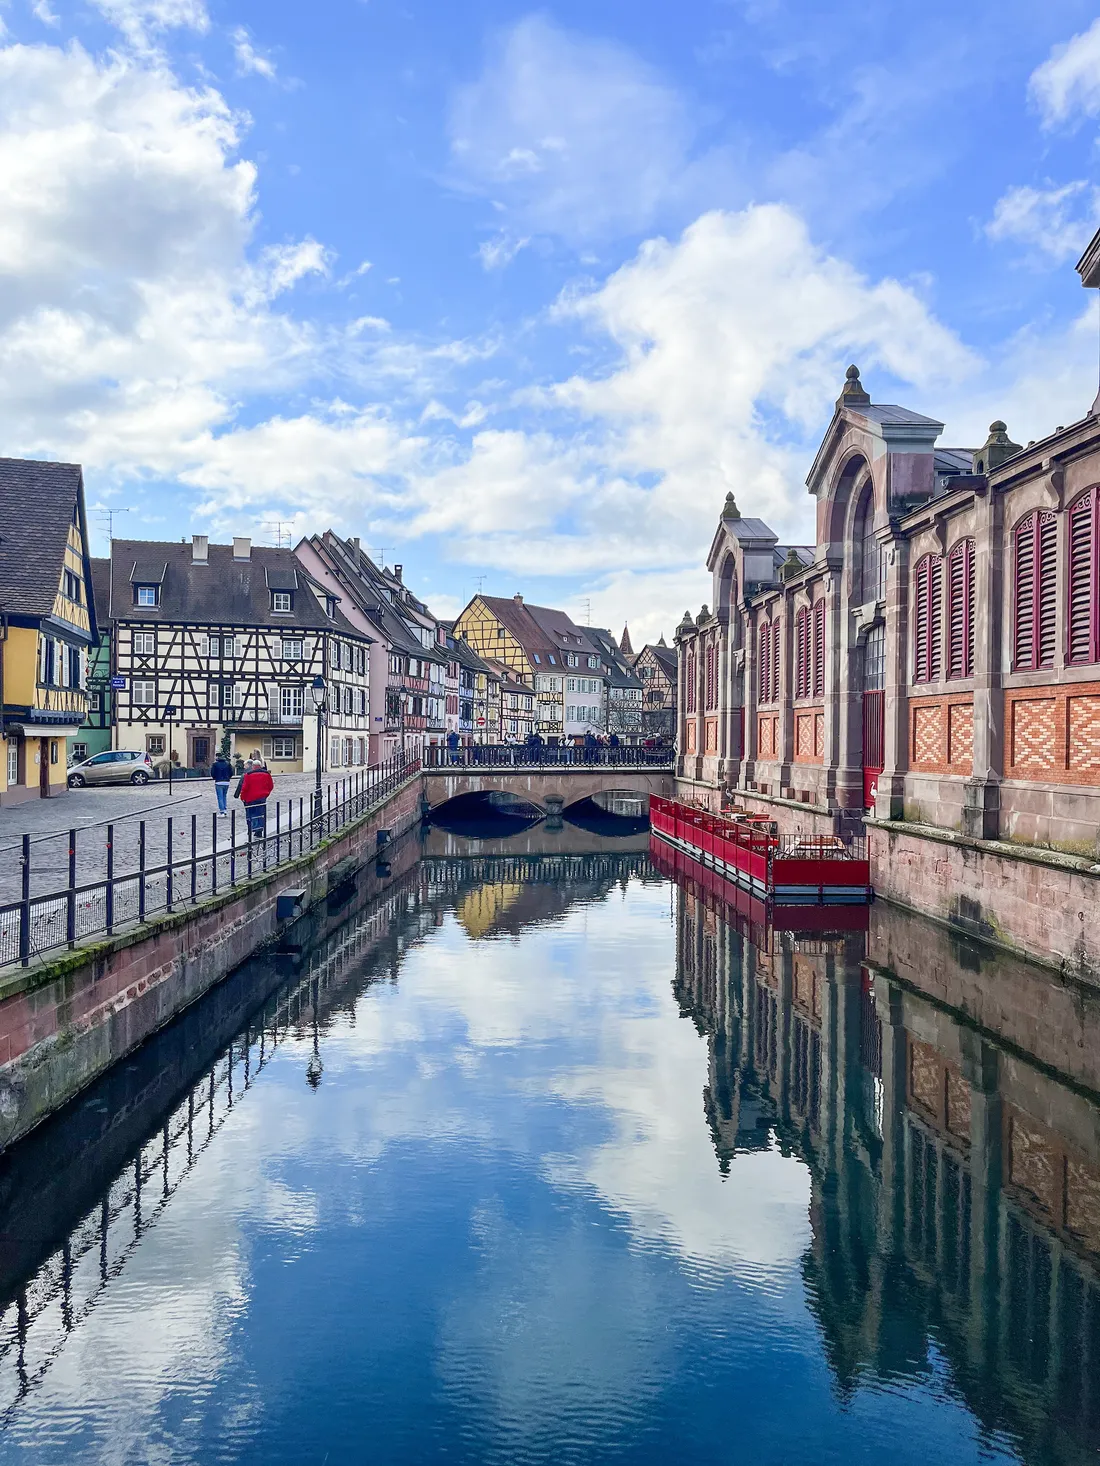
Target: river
[{"x": 533, "y": 1155}]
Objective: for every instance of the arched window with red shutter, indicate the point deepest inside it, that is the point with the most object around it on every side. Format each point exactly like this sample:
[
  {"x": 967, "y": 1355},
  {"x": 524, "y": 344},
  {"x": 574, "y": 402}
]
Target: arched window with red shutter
[
  {"x": 927, "y": 619},
  {"x": 691, "y": 682},
  {"x": 1034, "y": 591},
  {"x": 765, "y": 661},
  {"x": 803, "y": 653},
  {"x": 1083, "y": 630},
  {"x": 819, "y": 648},
  {"x": 960, "y": 610}
]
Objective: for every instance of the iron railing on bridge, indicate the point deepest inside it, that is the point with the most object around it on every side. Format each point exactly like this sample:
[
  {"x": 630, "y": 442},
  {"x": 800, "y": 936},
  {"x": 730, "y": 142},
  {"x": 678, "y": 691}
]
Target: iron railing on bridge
[
  {"x": 195, "y": 864},
  {"x": 545, "y": 755}
]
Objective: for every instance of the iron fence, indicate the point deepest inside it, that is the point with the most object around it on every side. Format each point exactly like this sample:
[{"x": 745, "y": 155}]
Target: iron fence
[
  {"x": 192, "y": 864},
  {"x": 545, "y": 755}
]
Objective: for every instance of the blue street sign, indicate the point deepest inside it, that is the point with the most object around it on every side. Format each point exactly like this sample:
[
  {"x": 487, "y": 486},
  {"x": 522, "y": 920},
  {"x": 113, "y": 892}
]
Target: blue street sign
[{"x": 118, "y": 684}]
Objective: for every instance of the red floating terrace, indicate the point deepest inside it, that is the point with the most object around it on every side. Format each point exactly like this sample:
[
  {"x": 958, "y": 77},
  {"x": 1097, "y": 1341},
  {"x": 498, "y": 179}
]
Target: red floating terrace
[{"x": 783, "y": 870}]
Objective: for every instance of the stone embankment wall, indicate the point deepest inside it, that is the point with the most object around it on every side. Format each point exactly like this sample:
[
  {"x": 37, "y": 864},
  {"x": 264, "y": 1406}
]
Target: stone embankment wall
[
  {"x": 1037, "y": 903},
  {"x": 67, "y": 1021}
]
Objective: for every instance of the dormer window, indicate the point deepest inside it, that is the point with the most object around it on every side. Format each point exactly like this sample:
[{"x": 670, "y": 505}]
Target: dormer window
[
  {"x": 553, "y": 663},
  {"x": 539, "y": 659},
  {"x": 330, "y": 607},
  {"x": 282, "y": 600},
  {"x": 146, "y": 595}
]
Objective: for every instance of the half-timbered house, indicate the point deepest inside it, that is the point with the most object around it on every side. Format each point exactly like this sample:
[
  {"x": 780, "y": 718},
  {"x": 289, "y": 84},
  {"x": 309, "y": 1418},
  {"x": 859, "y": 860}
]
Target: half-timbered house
[
  {"x": 655, "y": 667},
  {"x": 222, "y": 646},
  {"x": 47, "y": 623}
]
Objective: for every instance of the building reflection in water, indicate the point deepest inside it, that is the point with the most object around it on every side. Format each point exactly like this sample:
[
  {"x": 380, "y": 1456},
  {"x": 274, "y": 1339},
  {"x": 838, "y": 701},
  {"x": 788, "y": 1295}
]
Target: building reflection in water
[{"x": 955, "y": 1164}]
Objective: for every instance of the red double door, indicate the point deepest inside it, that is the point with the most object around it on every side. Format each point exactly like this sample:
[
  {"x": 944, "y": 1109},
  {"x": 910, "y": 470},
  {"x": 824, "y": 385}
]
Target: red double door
[{"x": 874, "y": 743}]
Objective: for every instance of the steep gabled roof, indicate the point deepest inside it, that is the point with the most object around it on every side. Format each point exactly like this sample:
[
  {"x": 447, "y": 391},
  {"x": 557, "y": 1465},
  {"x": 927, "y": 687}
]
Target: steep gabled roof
[
  {"x": 222, "y": 591},
  {"x": 664, "y": 655},
  {"x": 37, "y": 504},
  {"x": 101, "y": 589}
]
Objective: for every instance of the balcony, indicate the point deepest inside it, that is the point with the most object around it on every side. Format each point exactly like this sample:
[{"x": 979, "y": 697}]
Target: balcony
[{"x": 258, "y": 718}]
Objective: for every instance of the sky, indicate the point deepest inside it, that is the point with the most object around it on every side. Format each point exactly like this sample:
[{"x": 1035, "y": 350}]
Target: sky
[{"x": 517, "y": 295}]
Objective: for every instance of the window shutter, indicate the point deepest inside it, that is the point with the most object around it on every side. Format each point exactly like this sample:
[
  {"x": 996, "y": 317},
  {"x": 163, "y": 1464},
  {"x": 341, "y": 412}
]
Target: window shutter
[
  {"x": 920, "y": 623},
  {"x": 765, "y": 665},
  {"x": 1024, "y": 591},
  {"x": 935, "y": 618},
  {"x": 819, "y": 649},
  {"x": 1082, "y": 580},
  {"x": 1047, "y": 589},
  {"x": 960, "y": 610}
]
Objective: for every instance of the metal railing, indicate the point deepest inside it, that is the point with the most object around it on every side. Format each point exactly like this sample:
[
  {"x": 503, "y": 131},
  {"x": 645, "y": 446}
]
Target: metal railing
[
  {"x": 194, "y": 864},
  {"x": 545, "y": 755}
]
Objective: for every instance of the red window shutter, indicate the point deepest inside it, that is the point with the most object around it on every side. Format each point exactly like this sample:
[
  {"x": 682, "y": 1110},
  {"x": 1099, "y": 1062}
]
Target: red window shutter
[
  {"x": 801, "y": 650},
  {"x": 920, "y": 622},
  {"x": 765, "y": 667},
  {"x": 1082, "y": 580},
  {"x": 1024, "y": 594},
  {"x": 775, "y": 661},
  {"x": 956, "y": 610},
  {"x": 968, "y": 665},
  {"x": 819, "y": 649},
  {"x": 1047, "y": 589},
  {"x": 935, "y": 617}
]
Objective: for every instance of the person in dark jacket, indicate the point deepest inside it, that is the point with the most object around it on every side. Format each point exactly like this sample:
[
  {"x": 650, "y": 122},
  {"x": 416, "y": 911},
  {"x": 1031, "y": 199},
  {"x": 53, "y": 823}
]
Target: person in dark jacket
[
  {"x": 221, "y": 771},
  {"x": 452, "y": 746},
  {"x": 253, "y": 790},
  {"x": 591, "y": 747}
]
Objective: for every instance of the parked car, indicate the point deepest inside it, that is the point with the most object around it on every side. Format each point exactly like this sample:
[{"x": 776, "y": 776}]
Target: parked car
[{"x": 117, "y": 767}]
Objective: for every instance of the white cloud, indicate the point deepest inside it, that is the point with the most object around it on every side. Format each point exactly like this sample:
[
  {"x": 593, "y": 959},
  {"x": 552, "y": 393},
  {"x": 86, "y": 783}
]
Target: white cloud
[
  {"x": 251, "y": 62},
  {"x": 1056, "y": 222},
  {"x": 42, "y": 11},
  {"x": 1067, "y": 84},
  {"x": 576, "y": 137},
  {"x": 140, "y": 20}
]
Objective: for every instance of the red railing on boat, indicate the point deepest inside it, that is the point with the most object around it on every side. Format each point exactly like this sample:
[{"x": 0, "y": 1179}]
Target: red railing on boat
[{"x": 784, "y": 869}]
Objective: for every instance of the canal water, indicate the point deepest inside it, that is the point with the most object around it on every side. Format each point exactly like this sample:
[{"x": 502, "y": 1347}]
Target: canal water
[{"x": 534, "y": 1154}]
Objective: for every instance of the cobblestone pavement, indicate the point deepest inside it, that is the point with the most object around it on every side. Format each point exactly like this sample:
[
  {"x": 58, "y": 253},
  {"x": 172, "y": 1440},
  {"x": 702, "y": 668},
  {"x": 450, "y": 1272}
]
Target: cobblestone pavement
[{"x": 90, "y": 811}]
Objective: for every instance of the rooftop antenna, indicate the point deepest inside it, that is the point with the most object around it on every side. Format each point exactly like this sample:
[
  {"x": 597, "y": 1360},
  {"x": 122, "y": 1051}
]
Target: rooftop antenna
[
  {"x": 587, "y": 604},
  {"x": 109, "y": 516},
  {"x": 480, "y": 582},
  {"x": 276, "y": 527},
  {"x": 380, "y": 555}
]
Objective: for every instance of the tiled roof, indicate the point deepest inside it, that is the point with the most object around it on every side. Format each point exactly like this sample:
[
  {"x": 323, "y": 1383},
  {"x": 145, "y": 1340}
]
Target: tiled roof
[
  {"x": 37, "y": 501},
  {"x": 372, "y": 589},
  {"x": 223, "y": 591},
  {"x": 666, "y": 656},
  {"x": 101, "y": 589},
  {"x": 540, "y": 630}
]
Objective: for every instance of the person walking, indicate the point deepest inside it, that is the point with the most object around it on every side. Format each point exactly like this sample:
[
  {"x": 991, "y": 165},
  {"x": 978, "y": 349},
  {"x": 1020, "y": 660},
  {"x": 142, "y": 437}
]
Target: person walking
[
  {"x": 253, "y": 790},
  {"x": 452, "y": 746},
  {"x": 221, "y": 771}
]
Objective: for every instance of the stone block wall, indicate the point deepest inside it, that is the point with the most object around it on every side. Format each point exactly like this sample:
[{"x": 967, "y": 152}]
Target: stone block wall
[
  {"x": 1039, "y": 904},
  {"x": 65, "y": 1023}
]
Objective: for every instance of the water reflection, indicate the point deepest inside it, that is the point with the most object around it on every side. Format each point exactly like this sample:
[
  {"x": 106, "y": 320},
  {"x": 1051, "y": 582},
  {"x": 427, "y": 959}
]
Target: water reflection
[
  {"x": 955, "y": 1191},
  {"x": 530, "y": 1154}
]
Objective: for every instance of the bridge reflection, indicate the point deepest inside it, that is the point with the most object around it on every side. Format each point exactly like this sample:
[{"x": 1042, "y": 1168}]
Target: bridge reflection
[{"x": 955, "y": 1172}]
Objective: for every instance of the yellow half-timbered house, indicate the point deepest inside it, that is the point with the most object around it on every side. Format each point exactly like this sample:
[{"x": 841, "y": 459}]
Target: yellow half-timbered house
[{"x": 47, "y": 623}]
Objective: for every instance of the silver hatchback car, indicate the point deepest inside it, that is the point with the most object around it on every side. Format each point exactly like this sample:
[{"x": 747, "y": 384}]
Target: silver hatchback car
[{"x": 117, "y": 767}]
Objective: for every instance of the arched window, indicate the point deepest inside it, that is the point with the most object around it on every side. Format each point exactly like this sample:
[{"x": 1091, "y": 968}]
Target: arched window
[
  {"x": 870, "y": 580},
  {"x": 691, "y": 682},
  {"x": 765, "y": 661},
  {"x": 1083, "y": 632},
  {"x": 1035, "y": 590},
  {"x": 712, "y": 678},
  {"x": 803, "y": 653},
  {"x": 819, "y": 648},
  {"x": 927, "y": 619},
  {"x": 960, "y": 610}
]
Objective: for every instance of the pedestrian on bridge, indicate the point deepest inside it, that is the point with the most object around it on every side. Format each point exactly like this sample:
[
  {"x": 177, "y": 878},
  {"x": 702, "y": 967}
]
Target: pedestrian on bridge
[
  {"x": 253, "y": 791},
  {"x": 221, "y": 771}
]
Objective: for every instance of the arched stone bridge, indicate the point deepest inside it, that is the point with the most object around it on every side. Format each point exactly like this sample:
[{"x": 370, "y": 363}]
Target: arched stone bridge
[{"x": 549, "y": 789}]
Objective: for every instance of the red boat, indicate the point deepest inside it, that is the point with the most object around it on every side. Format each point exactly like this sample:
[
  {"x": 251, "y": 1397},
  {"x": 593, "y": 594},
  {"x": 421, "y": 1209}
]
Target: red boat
[{"x": 781, "y": 870}]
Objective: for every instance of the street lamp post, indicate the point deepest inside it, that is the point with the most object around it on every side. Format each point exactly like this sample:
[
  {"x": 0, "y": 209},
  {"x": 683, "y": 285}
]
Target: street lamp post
[
  {"x": 319, "y": 693},
  {"x": 169, "y": 713}
]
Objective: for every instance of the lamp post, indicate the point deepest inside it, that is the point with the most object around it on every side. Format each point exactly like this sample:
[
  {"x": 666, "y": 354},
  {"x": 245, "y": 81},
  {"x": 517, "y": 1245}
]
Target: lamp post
[
  {"x": 318, "y": 691},
  {"x": 169, "y": 713}
]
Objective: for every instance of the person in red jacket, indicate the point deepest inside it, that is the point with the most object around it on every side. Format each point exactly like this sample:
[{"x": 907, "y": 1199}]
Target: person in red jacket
[{"x": 253, "y": 790}]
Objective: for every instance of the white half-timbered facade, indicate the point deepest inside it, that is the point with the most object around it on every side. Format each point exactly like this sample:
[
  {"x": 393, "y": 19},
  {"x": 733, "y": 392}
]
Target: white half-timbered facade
[{"x": 217, "y": 643}]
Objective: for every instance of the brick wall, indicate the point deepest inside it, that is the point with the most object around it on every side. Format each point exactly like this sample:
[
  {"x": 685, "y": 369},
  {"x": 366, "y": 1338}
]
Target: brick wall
[
  {"x": 1053, "y": 733},
  {"x": 941, "y": 735},
  {"x": 809, "y": 735}
]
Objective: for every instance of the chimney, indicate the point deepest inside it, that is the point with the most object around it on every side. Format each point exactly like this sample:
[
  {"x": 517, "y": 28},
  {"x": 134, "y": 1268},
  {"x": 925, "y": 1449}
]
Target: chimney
[
  {"x": 242, "y": 547},
  {"x": 518, "y": 598},
  {"x": 397, "y": 569},
  {"x": 353, "y": 540},
  {"x": 199, "y": 553}
]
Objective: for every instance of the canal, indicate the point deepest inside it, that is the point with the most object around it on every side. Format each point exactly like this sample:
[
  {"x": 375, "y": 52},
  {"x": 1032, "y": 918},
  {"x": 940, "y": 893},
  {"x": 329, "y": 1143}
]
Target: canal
[{"x": 531, "y": 1152}]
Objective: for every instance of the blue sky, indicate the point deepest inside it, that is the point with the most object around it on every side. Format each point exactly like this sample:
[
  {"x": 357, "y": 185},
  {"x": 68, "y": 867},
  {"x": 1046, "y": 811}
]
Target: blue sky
[{"x": 519, "y": 294}]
